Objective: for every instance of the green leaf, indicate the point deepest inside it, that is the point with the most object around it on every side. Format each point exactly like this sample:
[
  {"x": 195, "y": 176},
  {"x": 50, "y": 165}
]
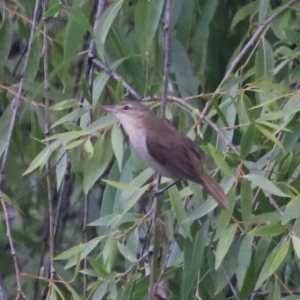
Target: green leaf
[
  {"x": 6, "y": 35},
  {"x": 220, "y": 161},
  {"x": 74, "y": 115},
  {"x": 179, "y": 210},
  {"x": 40, "y": 160},
  {"x": 193, "y": 255},
  {"x": 244, "y": 12},
  {"x": 61, "y": 166},
  {"x": 74, "y": 251},
  {"x": 269, "y": 135},
  {"x": 247, "y": 140},
  {"x": 117, "y": 144},
  {"x": 271, "y": 229},
  {"x": 97, "y": 163},
  {"x": 80, "y": 18},
  {"x": 101, "y": 123},
  {"x": 5, "y": 120},
  {"x": 146, "y": 18},
  {"x": 296, "y": 245},
  {"x": 204, "y": 209},
  {"x": 292, "y": 210},
  {"x": 265, "y": 184},
  {"x": 280, "y": 256},
  {"x": 263, "y": 10},
  {"x": 246, "y": 202},
  {"x": 224, "y": 243},
  {"x": 121, "y": 185},
  {"x": 104, "y": 26},
  {"x": 264, "y": 60},
  {"x": 264, "y": 273},
  {"x": 127, "y": 254},
  {"x": 101, "y": 291},
  {"x": 65, "y": 104},
  {"x": 244, "y": 259}
]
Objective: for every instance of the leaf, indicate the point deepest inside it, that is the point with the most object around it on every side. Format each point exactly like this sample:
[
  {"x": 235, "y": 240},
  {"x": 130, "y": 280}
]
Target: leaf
[
  {"x": 104, "y": 26},
  {"x": 117, "y": 144},
  {"x": 146, "y": 18},
  {"x": 97, "y": 163},
  {"x": 220, "y": 161},
  {"x": 193, "y": 256},
  {"x": 244, "y": 12},
  {"x": 247, "y": 140},
  {"x": 264, "y": 60},
  {"x": 73, "y": 251},
  {"x": 269, "y": 135},
  {"x": 292, "y": 210},
  {"x": 40, "y": 160},
  {"x": 101, "y": 291},
  {"x": 296, "y": 245},
  {"x": 101, "y": 123},
  {"x": 204, "y": 209},
  {"x": 264, "y": 273},
  {"x": 6, "y": 36},
  {"x": 127, "y": 254},
  {"x": 246, "y": 202},
  {"x": 75, "y": 114},
  {"x": 5, "y": 120},
  {"x": 65, "y": 104},
  {"x": 271, "y": 229},
  {"x": 179, "y": 210},
  {"x": 265, "y": 184},
  {"x": 79, "y": 17},
  {"x": 280, "y": 256},
  {"x": 224, "y": 243},
  {"x": 121, "y": 185},
  {"x": 61, "y": 166},
  {"x": 244, "y": 259},
  {"x": 263, "y": 10}
]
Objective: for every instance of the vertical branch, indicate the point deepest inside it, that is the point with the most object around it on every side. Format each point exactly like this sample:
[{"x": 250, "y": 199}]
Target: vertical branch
[
  {"x": 47, "y": 133},
  {"x": 15, "y": 108},
  {"x": 155, "y": 210}
]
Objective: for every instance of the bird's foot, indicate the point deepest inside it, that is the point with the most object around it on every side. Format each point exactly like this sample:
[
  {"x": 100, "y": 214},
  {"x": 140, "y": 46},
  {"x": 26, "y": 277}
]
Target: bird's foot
[{"x": 156, "y": 193}]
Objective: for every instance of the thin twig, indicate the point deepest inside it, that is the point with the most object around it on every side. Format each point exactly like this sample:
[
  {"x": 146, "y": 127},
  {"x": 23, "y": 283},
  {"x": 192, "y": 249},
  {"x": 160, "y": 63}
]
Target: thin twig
[
  {"x": 116, "y": 77},
  {"x": 47, "y": 133},
  {"x": 155, "y": 208},
  {"x": 250, "y": 43},
  {"x": 15, "y": 108}
]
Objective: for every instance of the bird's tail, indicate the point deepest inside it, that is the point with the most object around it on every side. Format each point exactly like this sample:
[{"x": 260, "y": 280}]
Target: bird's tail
[{"x": 213, "y": 188}]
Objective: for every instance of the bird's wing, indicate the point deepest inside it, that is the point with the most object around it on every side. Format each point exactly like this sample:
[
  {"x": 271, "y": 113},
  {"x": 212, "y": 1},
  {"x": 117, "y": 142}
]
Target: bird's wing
[{"x": 178, "y": 153}]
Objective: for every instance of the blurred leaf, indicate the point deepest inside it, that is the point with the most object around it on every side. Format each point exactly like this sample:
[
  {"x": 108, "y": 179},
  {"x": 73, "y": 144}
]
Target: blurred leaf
[
  {"x": 179, "y": 210},
  {"x": 5, "y": 121},
  {"x": 271, "y": 229},
  {"x": 97, "y": 163},
  {"x": 244, "y": 12},
  {"x": 127, "y": 254},
  {"x": 246, "y": 202},
  {"x": 121, "y": 185},
  {"x": 193, "y": 256},
  {"x": 6, "y": 35},
  {"x": 202, "y": 210},
  {"x": 117, "y": 144},
  {"x": 247, "y": 140},
  {"x": 263, "y": 10},
  {"x": 219, "y": 161},
  {"x": 296, "y": 245},
  {"x": 280, "y": 256},
  {"x": 79, "y": 17},
  {"x": 264, "y": 60},
  {"x": 292, "y": 210},
  {"x": 61, "y": 166},
  {"x": 146, "y": 18},
  {"x": 65, "y": 104},
  {"x": 269, "y": 135},
  {"x": 74, "y": 115},
  {"x": 224, "y": 243},
  {"x": 244, "y": 259},
  {"x": 104, "y": 26},
  {"x": 70, "y": 252},
  {"x": 101, "y": 291},
  {"x": 265, "y": 184}
]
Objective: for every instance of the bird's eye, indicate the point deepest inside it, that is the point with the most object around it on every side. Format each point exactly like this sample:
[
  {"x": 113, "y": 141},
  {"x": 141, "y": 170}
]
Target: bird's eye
[{"x": 126, "y": 107}]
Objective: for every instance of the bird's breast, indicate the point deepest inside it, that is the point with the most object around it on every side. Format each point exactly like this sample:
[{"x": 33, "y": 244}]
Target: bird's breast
[{"x": 138, "y": 140}]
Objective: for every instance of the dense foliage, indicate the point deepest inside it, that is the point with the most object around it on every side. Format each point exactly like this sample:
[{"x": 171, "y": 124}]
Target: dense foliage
[{"x": 74, "y": 190}]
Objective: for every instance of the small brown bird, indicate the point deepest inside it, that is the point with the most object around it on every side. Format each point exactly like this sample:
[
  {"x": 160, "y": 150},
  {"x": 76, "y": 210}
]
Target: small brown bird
[{"x": 167, "y": 151}]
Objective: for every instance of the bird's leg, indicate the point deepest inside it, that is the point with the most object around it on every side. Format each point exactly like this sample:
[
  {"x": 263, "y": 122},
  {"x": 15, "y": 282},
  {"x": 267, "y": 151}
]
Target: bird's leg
[{"x": 156, "y": 193}]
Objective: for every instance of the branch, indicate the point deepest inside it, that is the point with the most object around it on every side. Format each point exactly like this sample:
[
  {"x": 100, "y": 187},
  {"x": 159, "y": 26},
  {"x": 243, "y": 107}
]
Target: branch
[{"x": 250, "y": 43}]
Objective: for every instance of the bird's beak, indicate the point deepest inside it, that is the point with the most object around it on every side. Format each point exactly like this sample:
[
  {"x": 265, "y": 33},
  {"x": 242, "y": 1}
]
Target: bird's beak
[{"x": 110, "y": 108}]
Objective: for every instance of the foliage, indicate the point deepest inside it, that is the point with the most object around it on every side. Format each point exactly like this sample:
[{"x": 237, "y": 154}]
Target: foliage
[{"x": 251, "y": 250}]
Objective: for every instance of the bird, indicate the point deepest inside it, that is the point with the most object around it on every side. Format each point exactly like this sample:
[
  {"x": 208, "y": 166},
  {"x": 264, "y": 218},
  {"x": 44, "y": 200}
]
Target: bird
[{"x": 169, "y": 152}]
